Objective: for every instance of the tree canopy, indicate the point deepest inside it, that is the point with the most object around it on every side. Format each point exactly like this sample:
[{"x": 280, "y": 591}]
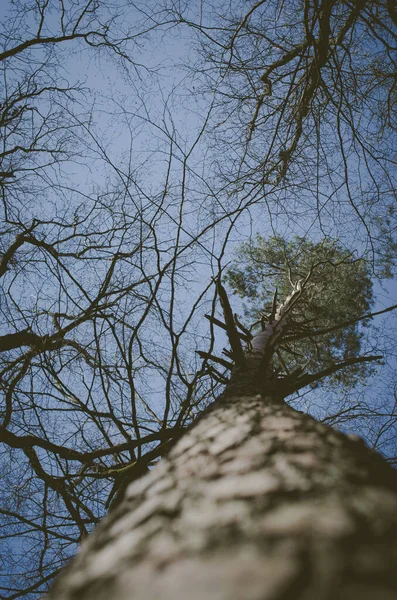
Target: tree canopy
[
  {"x": 323, "y": 325},
  {"x": 140, "y": 143}
]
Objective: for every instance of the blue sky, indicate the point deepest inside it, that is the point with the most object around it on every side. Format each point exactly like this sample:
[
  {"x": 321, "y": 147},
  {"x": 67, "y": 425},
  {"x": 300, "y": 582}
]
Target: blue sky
[{"x": 135, "y": 117}]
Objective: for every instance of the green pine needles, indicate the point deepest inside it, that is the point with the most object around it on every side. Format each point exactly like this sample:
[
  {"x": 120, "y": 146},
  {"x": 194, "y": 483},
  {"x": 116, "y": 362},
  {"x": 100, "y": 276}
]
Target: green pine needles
[{"x": 322, "y": 327}]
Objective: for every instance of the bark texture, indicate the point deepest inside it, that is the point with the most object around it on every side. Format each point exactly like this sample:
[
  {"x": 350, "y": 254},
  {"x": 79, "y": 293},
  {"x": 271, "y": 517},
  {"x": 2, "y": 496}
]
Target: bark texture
[{"x": 255, "y": 502}]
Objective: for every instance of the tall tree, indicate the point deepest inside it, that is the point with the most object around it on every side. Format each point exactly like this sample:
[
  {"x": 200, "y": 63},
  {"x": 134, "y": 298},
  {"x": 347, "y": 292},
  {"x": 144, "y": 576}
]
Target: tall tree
[{"x": 255, "y": 501}]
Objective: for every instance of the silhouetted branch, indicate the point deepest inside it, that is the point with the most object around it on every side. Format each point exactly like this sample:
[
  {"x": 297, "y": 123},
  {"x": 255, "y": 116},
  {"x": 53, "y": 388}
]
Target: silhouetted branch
[
  {"x": 308, "y": 379},
  {"x": 231, "y": 330}
]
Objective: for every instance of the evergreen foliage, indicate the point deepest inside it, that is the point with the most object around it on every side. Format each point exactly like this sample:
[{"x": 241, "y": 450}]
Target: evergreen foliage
[{"x": 338, "y": 291}]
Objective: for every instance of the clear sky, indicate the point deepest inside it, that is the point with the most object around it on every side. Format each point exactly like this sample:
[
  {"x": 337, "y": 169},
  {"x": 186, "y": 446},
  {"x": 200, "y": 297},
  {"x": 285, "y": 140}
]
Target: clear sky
[{"x": 142, "y": 150}]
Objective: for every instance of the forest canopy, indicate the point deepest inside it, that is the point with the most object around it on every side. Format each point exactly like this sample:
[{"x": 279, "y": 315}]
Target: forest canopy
[{"x": 147, "y": 148}]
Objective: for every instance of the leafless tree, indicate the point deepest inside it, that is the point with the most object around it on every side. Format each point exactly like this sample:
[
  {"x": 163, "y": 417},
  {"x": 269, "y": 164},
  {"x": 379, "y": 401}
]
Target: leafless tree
[
  {"x": 304, "y": 111},
  {"x": 80, "y": 271}
]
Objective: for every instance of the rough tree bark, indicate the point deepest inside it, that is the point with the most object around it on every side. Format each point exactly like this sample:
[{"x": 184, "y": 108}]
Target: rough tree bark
[{"x": 256, "y": 501}]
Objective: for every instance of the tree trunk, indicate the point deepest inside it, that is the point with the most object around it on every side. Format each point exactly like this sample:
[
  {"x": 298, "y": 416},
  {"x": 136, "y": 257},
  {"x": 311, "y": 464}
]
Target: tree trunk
[{"x": 255, "y": 502}]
